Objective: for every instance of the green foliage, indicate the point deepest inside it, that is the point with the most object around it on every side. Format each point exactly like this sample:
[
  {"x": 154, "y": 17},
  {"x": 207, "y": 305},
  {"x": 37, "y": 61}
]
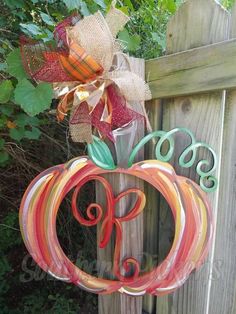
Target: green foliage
[
  {"x": 130, "y": 42},
  {"x": 47, "y": 19},
  {"x": 4, "y": 157},
  {"x": 227, "y": 3},
  {"x": 73, "y": 4},
  {"x": 15, "y": 66},
  {"x": 6, "y": 89},
  {"x": 9, "y": 232},
  {"x": 148, "y": 25},
  {"x": 33, "y": 303},
  {"x": 62, "y": 305},
  {"x": 33, "y": 100},
  {"x": 5, "y": 268}
]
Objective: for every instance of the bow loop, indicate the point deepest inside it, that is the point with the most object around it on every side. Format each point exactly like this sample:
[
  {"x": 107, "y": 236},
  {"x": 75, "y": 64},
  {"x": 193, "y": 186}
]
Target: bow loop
[
  {"x": 79, "y": 64},
  {"x": 93, "y": 34}
]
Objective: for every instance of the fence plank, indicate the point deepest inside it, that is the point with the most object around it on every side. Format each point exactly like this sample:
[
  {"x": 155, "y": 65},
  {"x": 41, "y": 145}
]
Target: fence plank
[
  {"x": 223, "y": 287},
  {"x": 197, "y": 23},
  {"x": 151, "y": 214},
  {"x": 132, "y": 243},
  {"x": 205, "y": 69}
]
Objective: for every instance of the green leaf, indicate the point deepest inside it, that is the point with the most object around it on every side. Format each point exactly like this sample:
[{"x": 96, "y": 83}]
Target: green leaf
[
  {"x": 3, "y": 66},
  {"x": 2, "y": 143},
  {"x": 7, "y": 110},
  {"x": 6, "y": 89},
  {"x": 101, "y": 3},
  {"x": 159, "y": 39},
  {"x": 129, "y": 4},
  {"x": 23, "y": 119},
  {"x": 124, "y": 9},
  {"x": 72, "y": 4},
  {"x": 100, "y": 154},
  {"x": 31, "y": 29},
  {"x": 33, "y": 100},
  {"x": 17, "y": 134},
  {"x": 47, "y": 19},
  {"x": 21, "y": 15},
  {"x": 131, "y": 42},
  {"x": 169, "y": 5},
  {"x": 84, "y": 9},
  {"x": 3, "y": 121},
  {"x": 3, "y": 157},
  {"x": 34, "y": 134},
  {"x": 15, "y": 4},
  {"x": 15, "y": 66},
  {"x": 77, "y": 4}
]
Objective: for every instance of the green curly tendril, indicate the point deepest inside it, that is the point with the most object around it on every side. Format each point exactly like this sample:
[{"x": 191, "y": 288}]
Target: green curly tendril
[{"x": 205, "y": 176}]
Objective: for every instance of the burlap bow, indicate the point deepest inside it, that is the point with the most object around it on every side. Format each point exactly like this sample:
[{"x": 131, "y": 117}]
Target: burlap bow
[{"x": 97, "y": 92}]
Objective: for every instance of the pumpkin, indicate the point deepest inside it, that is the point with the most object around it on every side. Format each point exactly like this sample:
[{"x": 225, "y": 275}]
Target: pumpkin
[{"x": 189, "y": 205}]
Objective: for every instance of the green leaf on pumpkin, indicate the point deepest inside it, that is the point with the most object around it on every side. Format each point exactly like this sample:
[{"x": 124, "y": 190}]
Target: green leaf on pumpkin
[{"x": 100, "y": 154}]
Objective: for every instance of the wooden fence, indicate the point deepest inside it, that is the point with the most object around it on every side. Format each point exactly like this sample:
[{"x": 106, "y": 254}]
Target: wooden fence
[{"x": 194, "y": 86}]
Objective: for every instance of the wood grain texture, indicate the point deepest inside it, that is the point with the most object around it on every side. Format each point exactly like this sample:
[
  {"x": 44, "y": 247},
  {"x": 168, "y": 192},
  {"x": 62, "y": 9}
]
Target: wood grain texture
[
  {"x": 193, "y": 71},
  {"x": 223, "y": 285},
  {"x": 132, "y": 244},
  {"x": 151, "y": 214},
  {"x": 197, "y": 23}
]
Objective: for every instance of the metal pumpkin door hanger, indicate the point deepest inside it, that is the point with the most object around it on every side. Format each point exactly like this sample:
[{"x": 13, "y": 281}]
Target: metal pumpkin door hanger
[{"x": 99, "y": 95}]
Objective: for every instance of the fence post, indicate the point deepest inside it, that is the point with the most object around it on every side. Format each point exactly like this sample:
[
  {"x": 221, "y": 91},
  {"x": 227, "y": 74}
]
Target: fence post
[
  {"x": 195, "y": 24},
  {"x": 132, "y": 244},
  {"x": 223, "y": 287}
]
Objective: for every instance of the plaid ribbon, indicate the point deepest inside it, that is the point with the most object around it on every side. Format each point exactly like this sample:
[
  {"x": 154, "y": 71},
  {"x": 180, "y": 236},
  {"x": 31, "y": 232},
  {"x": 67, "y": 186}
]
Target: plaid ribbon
[{"x": 80, "y": 65}]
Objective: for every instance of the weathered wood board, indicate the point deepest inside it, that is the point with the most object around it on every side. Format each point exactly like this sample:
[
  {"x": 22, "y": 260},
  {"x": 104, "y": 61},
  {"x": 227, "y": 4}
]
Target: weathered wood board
[
  {"x": 132, "y": 243},
  {"x": 199, "y": 70},
  {"x": 151, "y": 214},
  {"x": 196, "y": 23},
  {"x": 222, "y": 297}
]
